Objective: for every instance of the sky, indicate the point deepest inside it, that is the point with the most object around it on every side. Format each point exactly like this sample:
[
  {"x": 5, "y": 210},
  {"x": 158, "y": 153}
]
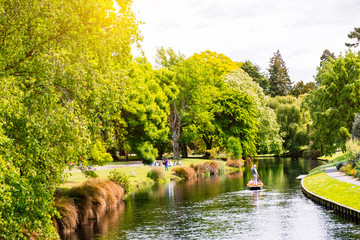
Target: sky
[{"x": 250, "y": 30}]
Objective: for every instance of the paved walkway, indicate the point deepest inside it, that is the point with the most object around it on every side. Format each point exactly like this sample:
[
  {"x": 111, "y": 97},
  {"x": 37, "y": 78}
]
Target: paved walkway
[
  {"x": 341, "y": 176},
  {"x": 133, "y": 164}
]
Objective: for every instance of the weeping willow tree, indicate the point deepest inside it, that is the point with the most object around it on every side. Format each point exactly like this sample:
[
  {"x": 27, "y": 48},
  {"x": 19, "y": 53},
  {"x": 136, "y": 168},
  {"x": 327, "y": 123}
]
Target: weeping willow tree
[{"x": 293, "y": 120}]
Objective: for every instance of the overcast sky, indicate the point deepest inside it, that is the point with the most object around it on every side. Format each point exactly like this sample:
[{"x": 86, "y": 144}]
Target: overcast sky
[{"x": 250, "y": 30}]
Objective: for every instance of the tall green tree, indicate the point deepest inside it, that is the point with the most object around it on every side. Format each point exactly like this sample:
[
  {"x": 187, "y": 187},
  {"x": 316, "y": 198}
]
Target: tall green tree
[
  {"x": 265, "y": 131},
  {"x": 334, "y": 104},
  {"x": 355, "y": 35},
  {"x": 293, "y": 120},
  {"x": 300, "y": 88},
  {"x": 326, "y": 56},
  {"x": 255, "y": 73},
  {"x": 144, "y": 112},
  {"x": 62, "y": 64},
  {"x": 279, "y": 79}
]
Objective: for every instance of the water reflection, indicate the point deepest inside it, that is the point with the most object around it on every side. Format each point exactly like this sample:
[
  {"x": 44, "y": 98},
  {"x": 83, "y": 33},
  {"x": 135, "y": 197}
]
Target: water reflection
[{"x": 221, "y": 207}]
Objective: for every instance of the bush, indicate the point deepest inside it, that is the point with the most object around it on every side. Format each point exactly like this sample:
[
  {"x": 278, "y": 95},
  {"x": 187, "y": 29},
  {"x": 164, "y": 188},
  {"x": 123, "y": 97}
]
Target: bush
[
  {"x": 120, "y": 178},
  {"x": 156, "y": 174},
  {"x": 184, "y": 172},
  {"x": 90, "y": 174},
  {"x": 234, "y": 149},
  {"x": 213, "y": 153},
  {"x": 341, "y": 164},
  {"x": 147, "y": 153}
]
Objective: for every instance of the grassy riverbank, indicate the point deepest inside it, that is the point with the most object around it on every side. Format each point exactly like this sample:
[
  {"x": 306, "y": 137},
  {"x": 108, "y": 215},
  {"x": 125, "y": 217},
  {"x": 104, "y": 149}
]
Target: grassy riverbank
[
  {"x": 137, "y": 174},
  {"x": 325, "y": 186}
]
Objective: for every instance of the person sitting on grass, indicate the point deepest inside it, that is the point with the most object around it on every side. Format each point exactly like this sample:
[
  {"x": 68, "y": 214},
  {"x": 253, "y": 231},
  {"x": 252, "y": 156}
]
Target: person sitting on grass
[{"x": 178, "y": 162}]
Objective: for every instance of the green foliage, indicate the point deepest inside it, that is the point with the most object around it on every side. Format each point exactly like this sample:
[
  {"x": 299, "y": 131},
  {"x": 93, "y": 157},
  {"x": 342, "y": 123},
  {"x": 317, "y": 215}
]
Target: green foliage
[
  {"x": 146, "y": 152},
  {"x": 300, "y": 88},
  {"x": 253, "y": 71},
  {"x": 25, "y": 205},
  {"x": 156, "y": 174},
  {"x": 145, "y": 110},
  {"x": 234, "y": 148},
  {"x": 354, "y": 35},
  {"x": 62, "y": 68},
  {"x": 213, "y": 153},
  {"x": 356, "y": 127},
  {"x": 326, "y": 57},
  {"x": 268, "y": 139},
  {"x": 120, "y": 178},
  {"x": 98, "y": 154},
  {"x": 90, "y": 174},
  {"x": 279, "y": 79},
  {"x": 293, "y": 118},
  {"x": 334, "y": 104}
]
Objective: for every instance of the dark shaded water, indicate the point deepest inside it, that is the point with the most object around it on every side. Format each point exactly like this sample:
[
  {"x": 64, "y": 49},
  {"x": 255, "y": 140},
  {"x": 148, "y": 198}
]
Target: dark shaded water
[{"x": 223, "y": 208}]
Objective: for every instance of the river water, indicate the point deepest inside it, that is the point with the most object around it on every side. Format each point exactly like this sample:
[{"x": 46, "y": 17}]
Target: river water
[{"x": 221, "y": 207}]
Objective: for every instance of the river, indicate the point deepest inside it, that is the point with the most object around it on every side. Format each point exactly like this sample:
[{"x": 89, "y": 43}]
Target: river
[{"x": 221, "y": 207}]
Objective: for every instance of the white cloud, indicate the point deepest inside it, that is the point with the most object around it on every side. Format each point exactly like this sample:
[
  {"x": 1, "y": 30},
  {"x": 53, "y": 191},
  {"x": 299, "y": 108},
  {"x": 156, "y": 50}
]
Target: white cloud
[{"x": 250, "y": 30}]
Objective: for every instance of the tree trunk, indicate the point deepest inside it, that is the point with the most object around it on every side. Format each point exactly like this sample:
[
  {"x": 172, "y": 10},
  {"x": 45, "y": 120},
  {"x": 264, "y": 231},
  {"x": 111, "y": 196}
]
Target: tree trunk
[
  {"x": 184, "y": 153},
  {"x": 208, "y": 143},
  {"x": 175, "y": 123}
]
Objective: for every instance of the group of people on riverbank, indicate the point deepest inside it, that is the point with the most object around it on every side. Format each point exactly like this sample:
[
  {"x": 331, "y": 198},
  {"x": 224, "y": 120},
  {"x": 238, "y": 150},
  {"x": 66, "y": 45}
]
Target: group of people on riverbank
[{"x": 166, "y": 163}]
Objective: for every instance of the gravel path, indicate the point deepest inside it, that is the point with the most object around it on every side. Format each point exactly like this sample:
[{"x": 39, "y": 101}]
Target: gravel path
[{"x": 341, "y": 176}]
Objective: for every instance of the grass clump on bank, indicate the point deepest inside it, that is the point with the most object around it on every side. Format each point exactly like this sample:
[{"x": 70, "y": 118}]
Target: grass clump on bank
[
  {"x": 156, "y": 174},
  {"x": 91, "y": 200},
  {"x": 184, "y": 172}
]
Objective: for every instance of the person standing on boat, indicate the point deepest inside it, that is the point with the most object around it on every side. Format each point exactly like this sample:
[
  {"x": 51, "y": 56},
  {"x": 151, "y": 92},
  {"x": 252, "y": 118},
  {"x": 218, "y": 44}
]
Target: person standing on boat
[{"x": 255, "y": 175}]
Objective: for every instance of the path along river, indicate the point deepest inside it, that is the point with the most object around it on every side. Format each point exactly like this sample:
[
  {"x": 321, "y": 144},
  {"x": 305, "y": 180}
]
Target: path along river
[{"x": 222, "y": 208}]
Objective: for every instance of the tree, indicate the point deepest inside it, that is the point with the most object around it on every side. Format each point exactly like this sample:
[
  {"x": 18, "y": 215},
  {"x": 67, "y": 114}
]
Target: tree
[
  {"x": 326, "y": 56},
  {"x": 253, "y": 71},
  {"x": 300, "y": 88},
  {"x": 334, "y": 104},
  {"x": 293, "y": 120},
  {"x": 354, "y": 35},
  {"x": 144, "y": 112},
  {"x": 279, "y": 79},
  {"x": 267, "y": 135},
  {"x": 62, "y": 65},
  {"x": 196, "y": 79}
]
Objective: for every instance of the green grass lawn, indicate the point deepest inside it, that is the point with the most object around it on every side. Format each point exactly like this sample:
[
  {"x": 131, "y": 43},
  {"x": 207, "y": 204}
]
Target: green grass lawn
[
  {"x": 137, "y": 174},
  {"x": 334, "y": 190},
  {"x": 325, "y": 186}
]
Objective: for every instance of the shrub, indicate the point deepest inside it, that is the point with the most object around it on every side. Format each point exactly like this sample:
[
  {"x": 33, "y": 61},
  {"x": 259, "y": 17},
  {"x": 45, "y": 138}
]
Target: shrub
[
  {"x": 90, "y": 174},
  {"x": 120, "y": 178},
  {"x": 341, "y": 164},
  {"x": 147, "y": 153},
  {"x": 234, "y": 163},
  {"x": 156, "y": 174},
  {"x": 213, "y": 153},
  {"x": 234, "y": 149},
  {"x": 184, "y": 172}
]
